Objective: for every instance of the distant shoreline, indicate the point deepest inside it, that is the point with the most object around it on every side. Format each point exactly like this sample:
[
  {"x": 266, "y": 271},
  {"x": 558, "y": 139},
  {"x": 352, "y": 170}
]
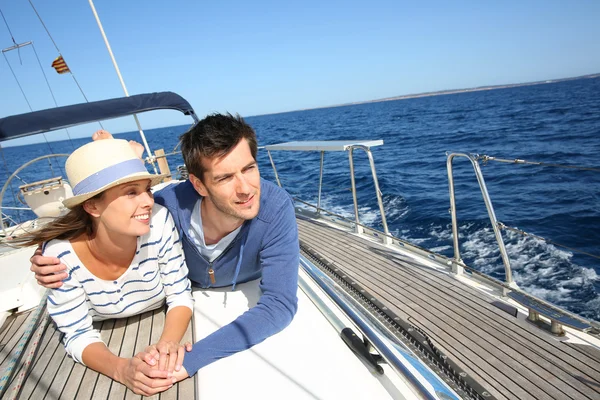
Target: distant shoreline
[{"x": 443, "y": 92}]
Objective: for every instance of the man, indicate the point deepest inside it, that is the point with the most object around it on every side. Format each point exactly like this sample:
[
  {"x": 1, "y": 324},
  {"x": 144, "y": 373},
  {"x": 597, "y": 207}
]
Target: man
[{"x": 235, "y": 227}]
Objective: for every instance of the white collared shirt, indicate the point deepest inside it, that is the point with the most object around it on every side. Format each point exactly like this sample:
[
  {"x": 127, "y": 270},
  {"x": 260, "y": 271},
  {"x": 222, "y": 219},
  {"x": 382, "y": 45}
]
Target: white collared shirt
[{"x": 212, "y": 251}]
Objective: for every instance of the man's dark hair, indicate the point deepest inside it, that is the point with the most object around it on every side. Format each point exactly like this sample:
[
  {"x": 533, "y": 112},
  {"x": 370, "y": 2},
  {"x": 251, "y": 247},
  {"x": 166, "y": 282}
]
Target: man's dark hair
[{"x": 214, "y": 136}]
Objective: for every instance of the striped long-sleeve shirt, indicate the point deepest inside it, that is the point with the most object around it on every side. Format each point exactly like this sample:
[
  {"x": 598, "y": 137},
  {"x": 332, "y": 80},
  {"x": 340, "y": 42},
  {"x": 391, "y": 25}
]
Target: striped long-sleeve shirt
[{"x": 158, "y": 271}]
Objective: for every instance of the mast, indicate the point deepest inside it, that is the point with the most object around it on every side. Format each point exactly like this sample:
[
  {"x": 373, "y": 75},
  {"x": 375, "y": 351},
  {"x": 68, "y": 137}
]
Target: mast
[{"x": 151, "y": 158}]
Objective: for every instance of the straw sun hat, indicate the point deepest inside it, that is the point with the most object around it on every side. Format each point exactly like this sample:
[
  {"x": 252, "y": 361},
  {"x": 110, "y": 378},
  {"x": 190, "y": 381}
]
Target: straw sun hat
[{"x": 100, "y": 165}]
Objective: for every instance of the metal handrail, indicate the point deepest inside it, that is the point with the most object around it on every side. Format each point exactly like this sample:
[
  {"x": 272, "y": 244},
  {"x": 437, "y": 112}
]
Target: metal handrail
[
  {"x": 366, "y": 149},
  {"x": 375, "y": 182},
  {"x": 397, "y": 355},
  {"x": 490, "y": 209}
]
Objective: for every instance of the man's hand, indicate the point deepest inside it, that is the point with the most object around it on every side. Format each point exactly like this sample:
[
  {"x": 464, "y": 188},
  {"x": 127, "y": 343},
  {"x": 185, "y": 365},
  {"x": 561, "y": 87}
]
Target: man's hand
[
  {"x": 141, "y": 378},
  {"x": 166, "y": 355},
  {"x": 49, "y": 272},
  {"x": 180, "y": 375}
]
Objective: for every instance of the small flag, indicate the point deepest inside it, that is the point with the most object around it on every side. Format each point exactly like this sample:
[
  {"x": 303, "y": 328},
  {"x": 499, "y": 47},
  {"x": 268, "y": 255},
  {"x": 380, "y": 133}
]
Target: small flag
[{"x": 60, "y": 65}]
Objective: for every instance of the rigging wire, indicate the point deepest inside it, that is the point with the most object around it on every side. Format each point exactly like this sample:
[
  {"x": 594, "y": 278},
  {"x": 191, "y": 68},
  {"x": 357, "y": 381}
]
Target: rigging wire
[
  {"x": 58, "y": 51},
  {"x": 51, "y": 93},
  {"x": 44, "y": 25},
  {"x": 11, "y": 36},
  {"x": 485, "y": 158},
  {"x": 16, "y": 79},
  {"x": 25, "y": 96},
  {"x": 18, "y": 47},
  {"x": 8, "y": 27},
  {"x": 15, "y": 75},
  {"x": 12, "y": 189}
]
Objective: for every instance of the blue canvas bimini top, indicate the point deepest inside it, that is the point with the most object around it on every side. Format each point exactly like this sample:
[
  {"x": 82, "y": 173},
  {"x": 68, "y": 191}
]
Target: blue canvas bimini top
[{"x": 51, "y": 119}]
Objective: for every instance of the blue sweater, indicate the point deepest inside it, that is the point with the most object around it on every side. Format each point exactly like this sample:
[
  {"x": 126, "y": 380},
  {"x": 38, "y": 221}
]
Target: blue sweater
[{"x": 266, "y": 247}]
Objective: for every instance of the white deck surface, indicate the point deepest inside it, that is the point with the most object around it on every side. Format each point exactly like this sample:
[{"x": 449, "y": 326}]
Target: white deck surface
[
  {"x": 18, "y": 288},
  {"x": 307, "y": 360}
]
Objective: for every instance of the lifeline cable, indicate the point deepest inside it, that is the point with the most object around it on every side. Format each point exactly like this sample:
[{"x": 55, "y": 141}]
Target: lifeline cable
[
  {"x": 485, "y": 158},
  {"x": 522, "y": 232},
  {"x": 448, "y": 261}
]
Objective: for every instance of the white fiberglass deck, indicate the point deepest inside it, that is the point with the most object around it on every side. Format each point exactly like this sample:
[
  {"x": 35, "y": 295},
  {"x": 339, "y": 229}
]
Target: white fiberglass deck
[
  {"x": 18, "y": 288},
  {"x": 307, "y": 360}
]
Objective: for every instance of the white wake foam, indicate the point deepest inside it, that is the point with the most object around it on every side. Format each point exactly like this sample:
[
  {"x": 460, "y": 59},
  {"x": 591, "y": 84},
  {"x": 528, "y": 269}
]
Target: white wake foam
[{"x": 538, "y": 267}]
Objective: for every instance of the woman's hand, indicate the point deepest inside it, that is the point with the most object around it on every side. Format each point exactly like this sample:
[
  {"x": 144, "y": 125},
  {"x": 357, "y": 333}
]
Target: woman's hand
[
  {"x": 141, "y": 378},
  {"x": 168, "y": 355}
]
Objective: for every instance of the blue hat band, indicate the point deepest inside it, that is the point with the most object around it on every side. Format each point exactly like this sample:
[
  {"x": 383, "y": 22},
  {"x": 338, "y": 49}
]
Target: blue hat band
[{"x": 109, "y": 175}]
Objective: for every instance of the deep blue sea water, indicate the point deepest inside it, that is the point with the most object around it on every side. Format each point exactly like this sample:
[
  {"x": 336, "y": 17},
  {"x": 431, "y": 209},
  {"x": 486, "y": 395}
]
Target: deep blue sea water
[{"x": 551, "y": 123}]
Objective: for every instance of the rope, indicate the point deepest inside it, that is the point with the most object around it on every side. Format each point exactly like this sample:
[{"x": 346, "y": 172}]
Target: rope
[
  {"x": 18, "y": 382},
  {"x": 516, "y": 230},
  {"x": 486, "y": 158},
  {"x": 34, "y": 325},
  {"x": 168, "y": 154}
]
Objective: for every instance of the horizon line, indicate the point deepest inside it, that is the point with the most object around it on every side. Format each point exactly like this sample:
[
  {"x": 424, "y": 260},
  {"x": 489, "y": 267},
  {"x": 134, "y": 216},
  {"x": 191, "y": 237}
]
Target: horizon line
[
  {"x": 440, "y": 93},
  {"x": 384, "y": 99}
]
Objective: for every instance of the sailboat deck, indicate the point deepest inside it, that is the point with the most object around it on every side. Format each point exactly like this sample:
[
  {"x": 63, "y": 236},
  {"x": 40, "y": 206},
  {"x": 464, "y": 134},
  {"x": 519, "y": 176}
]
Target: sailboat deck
[
  {"x": 51, "y": 374},
  {"x": 509, "y": 357}
]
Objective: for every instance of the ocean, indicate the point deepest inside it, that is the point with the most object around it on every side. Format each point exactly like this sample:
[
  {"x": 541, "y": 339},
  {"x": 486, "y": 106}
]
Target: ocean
[{"x": 554, "y": 123}]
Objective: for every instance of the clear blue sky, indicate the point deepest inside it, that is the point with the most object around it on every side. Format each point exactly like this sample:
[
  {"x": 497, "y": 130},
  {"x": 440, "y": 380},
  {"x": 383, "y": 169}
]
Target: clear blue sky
[{"x": 259, "y": 57}]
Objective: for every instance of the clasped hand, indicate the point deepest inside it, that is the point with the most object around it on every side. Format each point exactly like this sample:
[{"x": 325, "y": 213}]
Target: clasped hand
[
  {"x": 168, "y": 354},
  {"x": 155, "y": 369}
]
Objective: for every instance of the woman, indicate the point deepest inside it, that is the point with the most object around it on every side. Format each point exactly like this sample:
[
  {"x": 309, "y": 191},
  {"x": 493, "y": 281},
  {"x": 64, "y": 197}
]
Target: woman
[{"x": 123, "y": 256}]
